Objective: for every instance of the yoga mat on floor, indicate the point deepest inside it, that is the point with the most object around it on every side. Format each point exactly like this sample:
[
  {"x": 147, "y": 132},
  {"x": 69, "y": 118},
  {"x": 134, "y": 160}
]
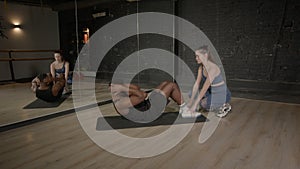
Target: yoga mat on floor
[
  {"x": 120, "y": 122},
  {"x": 38, "y": 103}
]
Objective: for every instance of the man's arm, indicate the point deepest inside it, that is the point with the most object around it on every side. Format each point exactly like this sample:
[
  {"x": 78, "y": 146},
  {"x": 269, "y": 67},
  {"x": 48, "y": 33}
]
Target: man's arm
[
  {"x": 34, "y": 84},
  {"x": 133, "y": 95},
  {"x": 123, "y": 103},
  {"x": 58, "y": 85}
]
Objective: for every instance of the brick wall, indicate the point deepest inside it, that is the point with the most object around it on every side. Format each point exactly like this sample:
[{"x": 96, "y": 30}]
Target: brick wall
[
  {"x": 246, "y": 34},
  {"x": 256, "y": 39}
]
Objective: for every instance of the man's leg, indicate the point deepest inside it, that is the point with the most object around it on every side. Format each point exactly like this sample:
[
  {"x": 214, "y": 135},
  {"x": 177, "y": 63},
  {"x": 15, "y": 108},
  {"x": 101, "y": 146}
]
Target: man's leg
[{"x": 171, "y": 89}]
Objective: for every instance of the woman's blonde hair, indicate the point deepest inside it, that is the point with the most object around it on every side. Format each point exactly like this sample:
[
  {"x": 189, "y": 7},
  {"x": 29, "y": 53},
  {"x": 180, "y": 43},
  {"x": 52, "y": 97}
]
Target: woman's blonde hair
[{"x": 204, "y": 50}]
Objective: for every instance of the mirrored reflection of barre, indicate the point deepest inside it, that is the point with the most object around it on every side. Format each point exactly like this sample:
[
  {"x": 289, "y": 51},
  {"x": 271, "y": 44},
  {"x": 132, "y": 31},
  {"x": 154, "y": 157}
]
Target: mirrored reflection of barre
[
  {"x": 25, "y": 59},
  {"x": 10, "y": 59},
  {"x": 16, "y": 50}
]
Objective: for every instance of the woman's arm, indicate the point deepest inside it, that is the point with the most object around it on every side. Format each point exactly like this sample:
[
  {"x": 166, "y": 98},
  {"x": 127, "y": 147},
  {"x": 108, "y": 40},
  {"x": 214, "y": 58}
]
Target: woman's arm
[
  {"x": 67, "y": 69},
  {"x": 203, "y": 90},
  {"x": 52, "y": 70},
  {"x": 212, "y": 72},
  {"x": 196, "y": 86}
]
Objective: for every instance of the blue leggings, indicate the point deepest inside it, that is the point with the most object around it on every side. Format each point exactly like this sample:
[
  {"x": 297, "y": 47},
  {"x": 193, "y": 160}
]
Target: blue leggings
[{"x": 215, "y": 97}]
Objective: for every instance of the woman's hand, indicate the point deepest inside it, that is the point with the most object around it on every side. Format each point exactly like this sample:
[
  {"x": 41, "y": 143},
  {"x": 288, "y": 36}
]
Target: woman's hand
[
  {"x": 190, "y": 103},
  {"x": 193, "y": 108},
  {"x": 66, "y": 89}
]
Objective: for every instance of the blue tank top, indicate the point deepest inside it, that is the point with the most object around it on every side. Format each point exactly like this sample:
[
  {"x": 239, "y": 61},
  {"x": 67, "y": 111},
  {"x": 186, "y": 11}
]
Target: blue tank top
[
  {"x": 60, "y": 71},
  {"x": 216, "y": 80}
]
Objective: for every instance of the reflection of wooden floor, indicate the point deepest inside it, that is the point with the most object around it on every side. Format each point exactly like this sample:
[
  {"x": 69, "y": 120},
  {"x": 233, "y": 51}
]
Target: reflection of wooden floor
[
  {"x": 256, "y": 134},
  {"x": 15, "y": 96}
]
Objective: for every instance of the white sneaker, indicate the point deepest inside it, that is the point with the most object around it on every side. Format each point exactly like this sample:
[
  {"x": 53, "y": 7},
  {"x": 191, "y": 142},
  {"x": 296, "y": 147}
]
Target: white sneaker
[
  {"x": 183, "y": 109},
  {"x": 223, "y": 110},
  {"x": 189, "y": 114},
  {"x": 227, "y": 107}
]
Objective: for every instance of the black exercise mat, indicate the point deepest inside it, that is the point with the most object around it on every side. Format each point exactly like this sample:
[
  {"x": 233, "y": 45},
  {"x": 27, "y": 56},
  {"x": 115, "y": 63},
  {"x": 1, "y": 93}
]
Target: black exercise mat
[
  {"x": 38, "y": 103},
  {"x": 120, "y": 122}
]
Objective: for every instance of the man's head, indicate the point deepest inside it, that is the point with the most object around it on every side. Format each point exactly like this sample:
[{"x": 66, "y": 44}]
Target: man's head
[{"x": 45, "y": 78}]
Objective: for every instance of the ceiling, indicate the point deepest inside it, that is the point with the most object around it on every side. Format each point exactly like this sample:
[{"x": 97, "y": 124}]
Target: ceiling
[
  {"x": 45, "y": 3},
  {"x": 58, "y": 5}
]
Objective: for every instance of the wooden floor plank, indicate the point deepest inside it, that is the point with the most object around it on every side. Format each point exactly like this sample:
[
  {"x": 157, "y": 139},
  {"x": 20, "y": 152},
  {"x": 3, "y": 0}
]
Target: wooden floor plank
[
  {"x": 20, "y": 95},
  {"x": 256, "y": 134}
]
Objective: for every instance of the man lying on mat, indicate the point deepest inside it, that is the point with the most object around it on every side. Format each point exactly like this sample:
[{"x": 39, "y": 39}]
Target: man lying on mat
[
  {"x": 138, "y": 105},
  {"x": 48, "y": 88}
]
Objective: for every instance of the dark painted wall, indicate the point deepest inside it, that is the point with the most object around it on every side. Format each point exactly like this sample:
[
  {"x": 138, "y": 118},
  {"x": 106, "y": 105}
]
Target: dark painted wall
[
  {"x": 256, "y": 40},
  {"x": 124, "y": 48}
]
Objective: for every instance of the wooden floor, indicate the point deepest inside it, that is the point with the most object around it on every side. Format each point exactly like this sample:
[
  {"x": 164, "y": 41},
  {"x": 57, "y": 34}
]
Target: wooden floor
[
  {"x": 255, "y": 135},
  {"x": 13, "y": 97}
]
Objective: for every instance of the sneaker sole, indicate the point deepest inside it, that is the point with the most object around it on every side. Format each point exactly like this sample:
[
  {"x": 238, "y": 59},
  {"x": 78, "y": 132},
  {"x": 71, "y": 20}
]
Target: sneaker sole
[{"x": 191, "y": 115}]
